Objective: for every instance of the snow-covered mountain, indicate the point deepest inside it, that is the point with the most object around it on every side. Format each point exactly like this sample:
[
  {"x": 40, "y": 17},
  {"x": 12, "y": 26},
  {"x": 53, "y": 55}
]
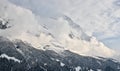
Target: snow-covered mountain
[
  {"x": 40, "y": 31},
  {"x": 43, "y": 35},
  {"x": 20, "y": 56}
]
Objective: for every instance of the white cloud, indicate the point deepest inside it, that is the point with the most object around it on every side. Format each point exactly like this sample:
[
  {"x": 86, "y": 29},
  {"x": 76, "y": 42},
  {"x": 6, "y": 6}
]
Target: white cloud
[
  {"x": 21, "y": 20},
  {"x": 90, "y": 17},
  {"x": 24, "y": 25}
]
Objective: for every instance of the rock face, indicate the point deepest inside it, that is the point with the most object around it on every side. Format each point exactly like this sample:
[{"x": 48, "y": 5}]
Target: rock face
[
  {"x": 4, "y": 24},
  {"x": 20, "y": 56}
]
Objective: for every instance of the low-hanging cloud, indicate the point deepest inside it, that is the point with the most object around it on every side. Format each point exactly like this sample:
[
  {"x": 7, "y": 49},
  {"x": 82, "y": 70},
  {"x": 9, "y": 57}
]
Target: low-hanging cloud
[
  {"x": 26, "y": 24},
  {"x": 99, "y": 16}
]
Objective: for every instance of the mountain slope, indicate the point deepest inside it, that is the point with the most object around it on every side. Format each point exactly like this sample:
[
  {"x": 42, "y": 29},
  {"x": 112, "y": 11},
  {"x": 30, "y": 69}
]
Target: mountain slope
[{"x": 20, "y": 56}]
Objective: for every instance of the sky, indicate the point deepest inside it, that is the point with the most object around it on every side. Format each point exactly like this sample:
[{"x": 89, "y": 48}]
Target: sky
[
  {"x": 98, "y": 18},
  {"x": 112, "y": 42}
]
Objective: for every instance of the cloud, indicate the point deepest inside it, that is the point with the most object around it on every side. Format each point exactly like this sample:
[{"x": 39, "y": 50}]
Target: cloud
[
  {"x": 23, "y": 22},
  {"x": 28, "y": 20},
  {"x": 93, "y": 16},
  {"x": 80, "y": 46}
]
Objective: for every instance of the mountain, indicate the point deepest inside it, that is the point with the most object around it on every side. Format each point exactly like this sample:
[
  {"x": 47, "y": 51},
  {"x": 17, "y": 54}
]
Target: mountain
[
  {"x": 33, "y": 39},
  {"x": 60, "y": 30},
  {"x": 20, "y": 56}
]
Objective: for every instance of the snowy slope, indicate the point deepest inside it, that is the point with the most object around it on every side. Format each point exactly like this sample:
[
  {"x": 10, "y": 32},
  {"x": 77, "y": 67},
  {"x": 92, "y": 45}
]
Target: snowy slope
[{"x": 20, "y": 56}]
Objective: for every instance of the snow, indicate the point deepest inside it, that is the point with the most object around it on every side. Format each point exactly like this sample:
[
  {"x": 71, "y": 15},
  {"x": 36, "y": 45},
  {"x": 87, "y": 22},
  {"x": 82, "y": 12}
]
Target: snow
[
  {"x": 90, "y": 70},
  {"x": 57, "y": 60},
  {"x": 20, "y": 51},
  {"x": 2, "y": 21},
  {"x": 78, "y": 68},
  {"x": 99, "y": 70},
  {"x": 99, "y": 62},
  {"x": 62, "y": 64},
  {"x": 9, "y": 58},
  {"x": 116, "y": 61},
  {"x": 52, "y": 58},
  {"x": 45, "y": 64},
  {"x": 43, "y": 68}
]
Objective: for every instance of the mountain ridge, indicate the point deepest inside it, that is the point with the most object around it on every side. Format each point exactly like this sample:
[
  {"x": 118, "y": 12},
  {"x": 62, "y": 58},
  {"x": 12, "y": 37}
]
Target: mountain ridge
[{"x": 32, "y": 59}]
